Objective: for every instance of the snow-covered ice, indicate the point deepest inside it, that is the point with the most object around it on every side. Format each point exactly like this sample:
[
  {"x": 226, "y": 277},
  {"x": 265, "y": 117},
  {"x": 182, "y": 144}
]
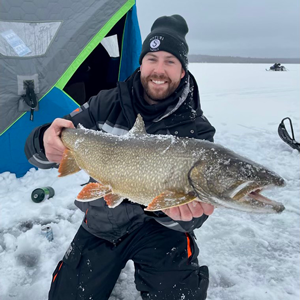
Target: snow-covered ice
[{"x": 250, "y": 256}]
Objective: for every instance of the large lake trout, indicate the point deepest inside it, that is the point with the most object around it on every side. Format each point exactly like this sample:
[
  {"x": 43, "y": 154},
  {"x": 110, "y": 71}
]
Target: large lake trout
[{"x": 163, "y": 171}]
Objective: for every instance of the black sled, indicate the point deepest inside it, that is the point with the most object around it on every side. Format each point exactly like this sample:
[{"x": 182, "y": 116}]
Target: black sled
[{"x": 284, "y": 135}]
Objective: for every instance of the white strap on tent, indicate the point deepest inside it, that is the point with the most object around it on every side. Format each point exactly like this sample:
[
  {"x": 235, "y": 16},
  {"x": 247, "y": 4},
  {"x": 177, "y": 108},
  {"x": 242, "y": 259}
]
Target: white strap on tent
[{"x": 110, "y": 43}]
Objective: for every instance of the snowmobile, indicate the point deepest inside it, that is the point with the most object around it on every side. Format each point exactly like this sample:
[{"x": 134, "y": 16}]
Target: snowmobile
[
  {"x": 277, "y": 67},
  {"x": 284, "y": 135}
]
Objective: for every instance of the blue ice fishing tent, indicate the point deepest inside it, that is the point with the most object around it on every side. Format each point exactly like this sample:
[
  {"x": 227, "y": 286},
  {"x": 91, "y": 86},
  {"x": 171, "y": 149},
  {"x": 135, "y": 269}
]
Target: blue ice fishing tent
[{"x": 54, "y": 55}]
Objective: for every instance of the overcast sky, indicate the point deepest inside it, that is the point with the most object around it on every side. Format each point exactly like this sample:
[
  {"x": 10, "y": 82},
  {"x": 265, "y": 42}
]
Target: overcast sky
[{"x": 252, "y": 28}]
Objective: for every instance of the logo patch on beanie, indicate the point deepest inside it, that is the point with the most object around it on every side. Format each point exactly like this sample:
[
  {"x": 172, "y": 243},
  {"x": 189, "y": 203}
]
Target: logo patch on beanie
[{"x": 154, "y": 44}]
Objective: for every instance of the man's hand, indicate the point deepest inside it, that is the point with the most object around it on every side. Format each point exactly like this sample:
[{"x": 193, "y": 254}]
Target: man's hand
[
  {"x": 187, "y": 212},
  {"x": 54, "y": 148}
]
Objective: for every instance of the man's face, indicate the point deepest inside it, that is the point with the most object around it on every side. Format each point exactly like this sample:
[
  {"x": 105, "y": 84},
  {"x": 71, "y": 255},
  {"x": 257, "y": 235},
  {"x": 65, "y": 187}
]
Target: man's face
[{"x": 161, "y": 73}]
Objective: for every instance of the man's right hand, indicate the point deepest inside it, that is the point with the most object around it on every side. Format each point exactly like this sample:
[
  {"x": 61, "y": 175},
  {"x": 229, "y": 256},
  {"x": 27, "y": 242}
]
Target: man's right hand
[{"x": 54, "y": 148}]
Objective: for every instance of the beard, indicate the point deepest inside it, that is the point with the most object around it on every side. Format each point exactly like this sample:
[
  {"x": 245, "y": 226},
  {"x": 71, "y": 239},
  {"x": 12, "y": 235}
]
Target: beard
[{"x": 158, "y": 93}]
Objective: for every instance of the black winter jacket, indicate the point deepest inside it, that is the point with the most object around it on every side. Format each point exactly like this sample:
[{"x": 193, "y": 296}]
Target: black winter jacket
[{"x": 115, "y": 111}]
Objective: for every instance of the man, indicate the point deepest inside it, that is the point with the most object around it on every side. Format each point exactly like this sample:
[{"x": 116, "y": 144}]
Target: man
[{"x": 160, "y": 244}]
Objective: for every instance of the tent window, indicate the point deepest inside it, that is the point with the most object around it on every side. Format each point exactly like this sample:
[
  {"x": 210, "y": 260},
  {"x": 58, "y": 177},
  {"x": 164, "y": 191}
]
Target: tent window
[
  {"x": 19, "y": 39},
  {"x": 110, "y": 43},
  {"x": 100, "y": 70}
]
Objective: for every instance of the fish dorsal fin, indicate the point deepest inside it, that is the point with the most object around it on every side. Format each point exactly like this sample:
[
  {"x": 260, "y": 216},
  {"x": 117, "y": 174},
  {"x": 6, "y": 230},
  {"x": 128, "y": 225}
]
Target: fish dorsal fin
[
  {"x": 80, "y": 126},
  {"x": 139, "y": 126}
]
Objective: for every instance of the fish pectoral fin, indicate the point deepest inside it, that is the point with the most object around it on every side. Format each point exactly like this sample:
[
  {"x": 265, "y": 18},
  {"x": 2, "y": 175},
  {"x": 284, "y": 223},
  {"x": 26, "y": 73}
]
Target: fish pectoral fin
[
  {"x": 113, "y": 200},
  {"x": 68, "y": 164},
  {"x": 170, "y": 199},
  {"x": 93, "y": 191}
]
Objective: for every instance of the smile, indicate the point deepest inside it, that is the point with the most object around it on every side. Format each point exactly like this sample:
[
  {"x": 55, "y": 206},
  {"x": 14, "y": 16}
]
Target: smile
[{"x": 158, "y": 82}]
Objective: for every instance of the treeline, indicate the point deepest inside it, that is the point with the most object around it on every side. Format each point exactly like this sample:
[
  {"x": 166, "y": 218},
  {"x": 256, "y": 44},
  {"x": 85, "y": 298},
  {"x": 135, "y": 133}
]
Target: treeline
[{"x": 236, "y": 59}]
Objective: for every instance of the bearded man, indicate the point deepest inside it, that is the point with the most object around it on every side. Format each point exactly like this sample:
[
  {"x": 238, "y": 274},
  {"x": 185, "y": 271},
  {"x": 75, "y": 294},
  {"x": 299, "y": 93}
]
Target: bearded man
[{"x": 160, "y": 244}]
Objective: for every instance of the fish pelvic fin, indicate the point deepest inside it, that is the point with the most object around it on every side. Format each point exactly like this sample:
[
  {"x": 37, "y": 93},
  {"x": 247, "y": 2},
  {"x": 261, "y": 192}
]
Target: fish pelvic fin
[
  {"x": 113, "y": 200},
  {"x": 68, "y": 164},
  {"x": 170, "y": 199},
  {"x": 93, "y": 191},
  {"x": 139, "y": 126}
]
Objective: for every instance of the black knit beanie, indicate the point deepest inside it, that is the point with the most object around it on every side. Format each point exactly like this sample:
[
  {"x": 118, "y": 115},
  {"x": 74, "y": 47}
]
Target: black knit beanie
[{"x": 168, "y": 34}]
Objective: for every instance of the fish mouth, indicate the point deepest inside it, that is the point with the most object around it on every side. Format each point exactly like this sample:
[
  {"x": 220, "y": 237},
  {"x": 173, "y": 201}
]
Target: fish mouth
[
  {"x": 249, "y": 195},
  {"x": 245, "y": 198}
]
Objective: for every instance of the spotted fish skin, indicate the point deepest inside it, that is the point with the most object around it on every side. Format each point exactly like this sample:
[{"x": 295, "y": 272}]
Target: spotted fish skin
[{"x": 163, "y": 171}]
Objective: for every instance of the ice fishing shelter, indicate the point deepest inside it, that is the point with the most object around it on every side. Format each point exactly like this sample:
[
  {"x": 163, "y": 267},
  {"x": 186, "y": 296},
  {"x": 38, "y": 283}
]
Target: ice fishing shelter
[{"x": 54, "y": 55}]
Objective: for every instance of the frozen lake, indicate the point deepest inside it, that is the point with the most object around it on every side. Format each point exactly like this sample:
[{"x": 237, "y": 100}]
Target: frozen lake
[{"x": 250, "y": 256}]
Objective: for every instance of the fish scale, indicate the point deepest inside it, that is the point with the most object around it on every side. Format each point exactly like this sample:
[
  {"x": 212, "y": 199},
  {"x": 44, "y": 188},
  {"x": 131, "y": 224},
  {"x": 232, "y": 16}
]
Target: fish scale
[{"x": 152, "y": 170}]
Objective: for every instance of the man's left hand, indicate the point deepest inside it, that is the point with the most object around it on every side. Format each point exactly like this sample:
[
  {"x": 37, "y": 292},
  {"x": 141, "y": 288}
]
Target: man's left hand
[{"x": 187, "y": 212}]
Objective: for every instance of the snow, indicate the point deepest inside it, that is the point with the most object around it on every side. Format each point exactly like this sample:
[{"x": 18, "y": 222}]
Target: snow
[{"x": 250, "y": 256}]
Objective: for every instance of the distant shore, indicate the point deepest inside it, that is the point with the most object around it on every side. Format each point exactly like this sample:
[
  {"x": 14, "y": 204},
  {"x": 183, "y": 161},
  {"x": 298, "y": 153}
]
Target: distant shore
[{"x": 236, "y": 59}]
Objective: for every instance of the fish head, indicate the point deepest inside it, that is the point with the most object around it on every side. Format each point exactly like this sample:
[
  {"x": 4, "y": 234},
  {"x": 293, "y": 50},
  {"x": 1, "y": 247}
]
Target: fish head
[{"x": 226, "y": 179}]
